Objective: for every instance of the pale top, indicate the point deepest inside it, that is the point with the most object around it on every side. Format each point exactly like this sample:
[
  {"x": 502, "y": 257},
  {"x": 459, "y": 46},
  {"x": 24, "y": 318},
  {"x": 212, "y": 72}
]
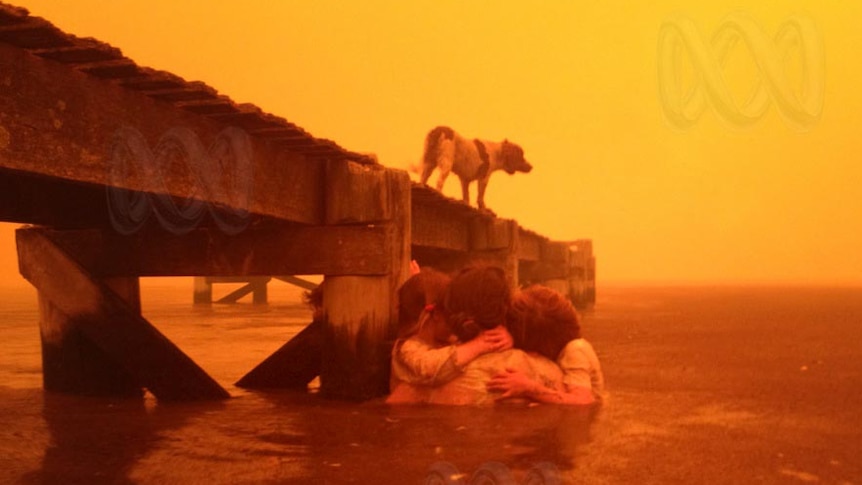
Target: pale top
[
  {"x": 581, "y": 367},
  {"x": 414, "y": 361}
]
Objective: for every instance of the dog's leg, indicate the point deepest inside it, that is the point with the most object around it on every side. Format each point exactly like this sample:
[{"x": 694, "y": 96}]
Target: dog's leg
[
  {"x": 426, "y": 174},
  {"x": 445, "y": 159},
  {"x": 465, "y": 190},
  {"x": 480, "y": 199},
  {"x": 441, "y": 179}
]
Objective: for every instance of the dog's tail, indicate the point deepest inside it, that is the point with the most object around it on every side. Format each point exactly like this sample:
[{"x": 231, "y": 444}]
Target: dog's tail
[
  {"x": 432, "y": 144},
  {"x": 434, "y": 150}
]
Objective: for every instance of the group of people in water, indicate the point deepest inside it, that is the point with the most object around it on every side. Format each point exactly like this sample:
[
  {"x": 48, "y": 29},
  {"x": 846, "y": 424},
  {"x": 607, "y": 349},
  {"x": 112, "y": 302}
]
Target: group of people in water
[{"x": 471, "y": 339}]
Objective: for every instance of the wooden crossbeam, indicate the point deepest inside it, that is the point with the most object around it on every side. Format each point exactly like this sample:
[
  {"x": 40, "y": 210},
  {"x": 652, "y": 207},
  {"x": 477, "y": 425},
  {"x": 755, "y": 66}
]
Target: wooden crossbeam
[{"x": 253, "y": 252}]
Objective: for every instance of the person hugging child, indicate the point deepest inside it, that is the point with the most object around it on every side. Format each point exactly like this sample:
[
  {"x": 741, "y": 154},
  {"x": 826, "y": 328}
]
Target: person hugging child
[
  {"x": 544, "y": 322},
  {"x": 477, "y": 301},
  {"x": 426, "y": 354}
]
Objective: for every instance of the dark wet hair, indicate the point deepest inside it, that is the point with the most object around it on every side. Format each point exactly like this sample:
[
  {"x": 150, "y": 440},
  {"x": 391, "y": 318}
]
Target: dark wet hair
[
  {"x": 314, "y": 298},
  {"x": 542, "y": 320},
  {"x": 420, "y": 290},
  {"x": 477, "y": 299}
]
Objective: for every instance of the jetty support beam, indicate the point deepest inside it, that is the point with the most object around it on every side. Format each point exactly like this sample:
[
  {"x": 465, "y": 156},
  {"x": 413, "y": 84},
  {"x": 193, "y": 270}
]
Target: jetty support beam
[
  {"x": 497, "y": 242},
  {"x": 71, "y": 362},
  {"x": 292, "y": 366},
  {"x": 359, "y": 311},
  {"x": 582, "y": 270}
]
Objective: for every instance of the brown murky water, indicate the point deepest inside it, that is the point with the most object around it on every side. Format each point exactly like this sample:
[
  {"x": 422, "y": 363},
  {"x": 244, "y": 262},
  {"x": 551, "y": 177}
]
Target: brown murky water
[{"x": 721, "y": 385}]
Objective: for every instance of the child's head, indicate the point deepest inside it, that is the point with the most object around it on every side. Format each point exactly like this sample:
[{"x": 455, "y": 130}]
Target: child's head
[
  {"x": 477, "y": 299},
  {"x": 417, "y": 300},
  {"x": 314, "y": 299},
  {"x": 542, "y": 320}
]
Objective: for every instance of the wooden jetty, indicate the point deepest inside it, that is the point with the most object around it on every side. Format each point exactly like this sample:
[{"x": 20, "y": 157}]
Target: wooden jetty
[{"x": 125, "y": 172}]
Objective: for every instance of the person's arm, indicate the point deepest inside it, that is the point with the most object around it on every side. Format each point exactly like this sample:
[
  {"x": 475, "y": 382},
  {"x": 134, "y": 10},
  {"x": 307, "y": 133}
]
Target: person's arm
[
  {"x": 494, "y": 340},
  {"x": 417, "y": 363},
  {"x": 515, "y": 383}
]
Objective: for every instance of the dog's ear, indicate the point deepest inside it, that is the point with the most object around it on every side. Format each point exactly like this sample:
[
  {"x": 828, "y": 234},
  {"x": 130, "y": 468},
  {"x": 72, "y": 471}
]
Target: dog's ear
[
  {"x": 509, "y": 152},
  {"x": 505, "y": 151}
]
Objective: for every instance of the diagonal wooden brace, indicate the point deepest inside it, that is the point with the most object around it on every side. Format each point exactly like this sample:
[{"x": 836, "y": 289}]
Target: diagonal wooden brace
[{"x": 110, "y": 323}]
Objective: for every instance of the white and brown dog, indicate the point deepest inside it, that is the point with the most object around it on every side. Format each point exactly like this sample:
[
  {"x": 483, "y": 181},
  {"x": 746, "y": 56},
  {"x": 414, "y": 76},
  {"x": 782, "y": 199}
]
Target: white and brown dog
[{"x": 469, "y": 159}]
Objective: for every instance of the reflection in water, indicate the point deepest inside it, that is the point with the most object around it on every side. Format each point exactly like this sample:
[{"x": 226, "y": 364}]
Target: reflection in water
[
  {"x": 293, "y": 437},
  {"x": 97, "y": 440},
  {"x": 376, "y": 443}
]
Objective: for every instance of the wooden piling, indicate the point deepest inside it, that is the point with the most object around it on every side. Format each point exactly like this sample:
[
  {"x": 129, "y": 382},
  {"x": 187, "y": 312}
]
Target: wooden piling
[
  {"x": 203, "y": 291},
  {"x": 72, "y": 363},
  {"x": 360, "y": 311},
  {"x": 496, "y": 242},
  {"x": 582, "y": 273}
]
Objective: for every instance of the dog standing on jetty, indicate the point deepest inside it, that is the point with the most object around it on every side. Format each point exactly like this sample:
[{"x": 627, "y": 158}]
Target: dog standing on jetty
[{"x": 469, "y": 159}]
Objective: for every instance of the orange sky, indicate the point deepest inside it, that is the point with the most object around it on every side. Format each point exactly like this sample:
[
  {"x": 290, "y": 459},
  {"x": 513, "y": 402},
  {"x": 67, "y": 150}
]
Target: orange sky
[{"x": 576, "y": 84}]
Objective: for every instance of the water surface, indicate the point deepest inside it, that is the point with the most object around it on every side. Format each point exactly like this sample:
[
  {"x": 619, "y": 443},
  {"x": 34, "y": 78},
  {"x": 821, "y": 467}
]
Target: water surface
[{"x": 707, "y": 385}]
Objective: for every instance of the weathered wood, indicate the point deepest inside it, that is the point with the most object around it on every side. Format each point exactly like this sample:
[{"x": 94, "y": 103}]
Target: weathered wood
[
  {"x": 293, "y": 280},
  {"x": 203, "y": 290},
  {"x": 553, "y": 264},
  {"x": 399, "y": 188},
  {"x": 530, "y": 245},
  {"x": 360, "y": 312},
  {"x": 441, "y": 259},
  {"x": 500, "y": 241},
  {"x": 36, "y": 199},
  {"x": 486, "y": 235},
  {"x": 59, "y": 122},
  {"x": 590, "y": 293},
  {"x": 110, "y": 323},
  {"x": 511, "y": 264},
  {"x": 255, "y": 285},
  {"x": 33, "y": 33},
  {"x": 355, "y": 193},
  {"x": 541, "y": 271},
  {"x": 293, "y": 365},
  {"x": 556, "y": 252},
  {"x": 72, "y": 363},
  {"x": 261, "y": 251},
  {"x": 357, "y": 326},
  {"x": 582, "y": 273},
  {"x": 434, "y": 226}
]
